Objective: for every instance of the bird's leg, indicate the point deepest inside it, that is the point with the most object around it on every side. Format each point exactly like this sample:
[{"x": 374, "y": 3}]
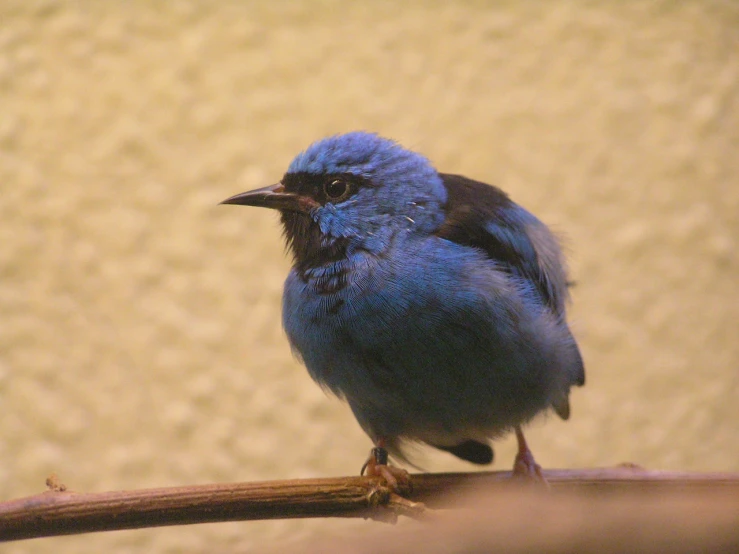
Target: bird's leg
[
  {"x": 397, "y": 479},
  {"x": 525, "y": 466}
]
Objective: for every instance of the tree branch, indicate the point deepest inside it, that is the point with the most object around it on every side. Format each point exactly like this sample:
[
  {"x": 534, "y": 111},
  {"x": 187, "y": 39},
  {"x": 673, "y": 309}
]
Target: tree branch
[{"x": 59, "y": 511}]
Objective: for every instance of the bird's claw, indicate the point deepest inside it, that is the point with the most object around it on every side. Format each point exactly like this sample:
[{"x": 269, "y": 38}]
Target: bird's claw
[
  {"x": 397, "y": 479},
  {"x": 526, "y": 469}
]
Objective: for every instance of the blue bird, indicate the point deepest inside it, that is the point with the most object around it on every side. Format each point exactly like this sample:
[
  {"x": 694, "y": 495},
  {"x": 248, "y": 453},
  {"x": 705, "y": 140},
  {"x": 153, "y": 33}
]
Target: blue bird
[{"x": 433, "y": 304}]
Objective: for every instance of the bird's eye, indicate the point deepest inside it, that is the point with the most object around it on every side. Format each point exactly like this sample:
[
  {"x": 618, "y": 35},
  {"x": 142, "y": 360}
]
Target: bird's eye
[{"x": 335, "y": 189}]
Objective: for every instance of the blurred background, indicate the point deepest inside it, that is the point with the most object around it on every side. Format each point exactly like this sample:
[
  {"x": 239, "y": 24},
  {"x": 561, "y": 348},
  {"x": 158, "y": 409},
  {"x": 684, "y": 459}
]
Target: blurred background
[{"x": 140, "y": 337}]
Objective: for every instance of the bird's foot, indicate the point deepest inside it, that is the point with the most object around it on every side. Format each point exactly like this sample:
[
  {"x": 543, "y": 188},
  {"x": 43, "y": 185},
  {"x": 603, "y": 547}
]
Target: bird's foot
[
  {"x": 525, "y": 466},
  {"x": 397, "y": 479}
]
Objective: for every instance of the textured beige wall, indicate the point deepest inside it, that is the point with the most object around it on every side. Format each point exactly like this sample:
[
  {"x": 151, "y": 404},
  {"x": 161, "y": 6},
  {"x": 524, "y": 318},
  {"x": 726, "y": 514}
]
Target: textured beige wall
[{"x": 140, "y": 342}]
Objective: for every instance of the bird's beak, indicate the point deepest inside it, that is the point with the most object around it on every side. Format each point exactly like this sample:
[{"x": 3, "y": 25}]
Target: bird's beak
[{"x": 275, "y": 197}]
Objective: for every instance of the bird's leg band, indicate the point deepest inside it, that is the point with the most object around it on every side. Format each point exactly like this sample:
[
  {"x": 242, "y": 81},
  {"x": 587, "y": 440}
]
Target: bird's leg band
[
  {"x": 380, "y": 455},
  {"x": 397, "y": 479}
]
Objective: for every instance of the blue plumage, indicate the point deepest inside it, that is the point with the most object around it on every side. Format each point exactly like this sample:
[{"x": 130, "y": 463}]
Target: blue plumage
[{"x": 432, "y": 303}]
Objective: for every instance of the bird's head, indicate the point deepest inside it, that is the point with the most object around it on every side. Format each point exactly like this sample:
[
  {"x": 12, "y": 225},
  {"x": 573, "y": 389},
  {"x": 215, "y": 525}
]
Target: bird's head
[{"x": 351, "y": 192}]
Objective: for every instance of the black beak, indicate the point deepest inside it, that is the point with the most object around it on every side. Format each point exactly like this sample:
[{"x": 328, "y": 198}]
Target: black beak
[{"x": 275, "y": 197}]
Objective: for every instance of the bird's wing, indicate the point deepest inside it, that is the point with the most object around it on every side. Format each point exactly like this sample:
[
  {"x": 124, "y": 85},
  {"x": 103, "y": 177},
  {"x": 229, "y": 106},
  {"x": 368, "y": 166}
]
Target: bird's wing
[{"x": 482, "y": 216}]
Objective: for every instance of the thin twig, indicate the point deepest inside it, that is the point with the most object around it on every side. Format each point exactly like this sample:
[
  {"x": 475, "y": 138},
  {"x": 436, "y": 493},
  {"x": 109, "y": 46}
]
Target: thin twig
[{"x": 63, "y": 512}]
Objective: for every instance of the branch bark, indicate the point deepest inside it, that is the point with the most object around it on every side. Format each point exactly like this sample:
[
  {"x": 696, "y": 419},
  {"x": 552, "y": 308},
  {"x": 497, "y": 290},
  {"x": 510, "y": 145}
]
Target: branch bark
[{"x": 62, "y": 512}]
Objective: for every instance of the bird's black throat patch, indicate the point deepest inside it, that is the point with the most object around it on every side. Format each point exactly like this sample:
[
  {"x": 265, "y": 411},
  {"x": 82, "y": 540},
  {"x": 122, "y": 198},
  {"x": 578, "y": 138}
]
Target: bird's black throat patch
[{"x": 311, "y": 248}]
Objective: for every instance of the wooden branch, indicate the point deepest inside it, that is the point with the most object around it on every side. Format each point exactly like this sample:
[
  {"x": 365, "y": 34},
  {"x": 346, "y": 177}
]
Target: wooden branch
[
  {"x": 667, "y": 518},
  {"x": 432, "y": 487},
  {"x": 62, "y": 512}
]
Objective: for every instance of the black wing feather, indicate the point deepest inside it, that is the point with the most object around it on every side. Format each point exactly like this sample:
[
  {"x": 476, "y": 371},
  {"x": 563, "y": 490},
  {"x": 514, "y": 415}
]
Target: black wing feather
[
  {"x": 482, "y": 216},
  {"x": 471, "y": 451}
]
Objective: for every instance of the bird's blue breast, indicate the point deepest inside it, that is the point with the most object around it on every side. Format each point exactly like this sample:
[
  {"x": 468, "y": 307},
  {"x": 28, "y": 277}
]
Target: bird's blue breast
[{"x": 429, "y": 335}]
